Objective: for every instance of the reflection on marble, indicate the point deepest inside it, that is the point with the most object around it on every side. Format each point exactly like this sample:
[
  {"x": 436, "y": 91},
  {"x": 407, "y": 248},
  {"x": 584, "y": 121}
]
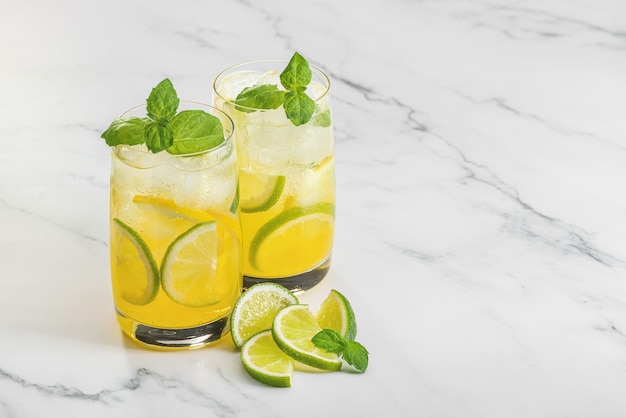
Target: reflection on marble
[{"x": 481, "y": 212}]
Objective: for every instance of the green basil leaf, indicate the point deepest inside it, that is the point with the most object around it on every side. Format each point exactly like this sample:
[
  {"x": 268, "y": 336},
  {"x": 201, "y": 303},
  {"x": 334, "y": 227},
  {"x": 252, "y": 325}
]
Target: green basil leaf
[
  {"x": 356, "y": 355},
  {"x": 195, "y": 131},
  {"x": 125, "y": 130},
  {"x": 163, "y": 101},
  {"x": 265, "y": 96},
  {"x": 297, "y": 74},
  {"x": 158, "y": 136},
  {"x": 329, "y": 340},
  {"x": 322, "y": 119},
  {"x": 299, "y": 107}
]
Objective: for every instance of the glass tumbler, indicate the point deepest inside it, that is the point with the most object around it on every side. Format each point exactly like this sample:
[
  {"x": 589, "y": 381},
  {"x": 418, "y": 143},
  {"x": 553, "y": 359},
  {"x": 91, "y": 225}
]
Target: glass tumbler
[
  {"x": 175, "y": 240},
  {"x": 286, "y": 179}
]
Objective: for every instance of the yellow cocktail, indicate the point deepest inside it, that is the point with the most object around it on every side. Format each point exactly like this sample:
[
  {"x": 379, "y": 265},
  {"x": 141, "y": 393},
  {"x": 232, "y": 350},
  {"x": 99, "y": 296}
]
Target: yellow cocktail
[
  {"x": 286, "y": 176},
  {"x": 175, "y": 241}
]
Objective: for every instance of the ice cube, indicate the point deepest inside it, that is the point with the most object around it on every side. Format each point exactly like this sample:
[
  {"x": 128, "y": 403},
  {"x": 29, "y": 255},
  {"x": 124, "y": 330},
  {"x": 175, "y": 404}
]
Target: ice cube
[{"x": 234, "y": 83}]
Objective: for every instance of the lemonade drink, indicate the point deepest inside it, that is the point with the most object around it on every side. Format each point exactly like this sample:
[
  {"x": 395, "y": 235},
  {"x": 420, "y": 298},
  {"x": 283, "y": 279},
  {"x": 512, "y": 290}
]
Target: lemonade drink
[
  {"x": 175, "y": 242},
  {"x": 286, "y": 179}
]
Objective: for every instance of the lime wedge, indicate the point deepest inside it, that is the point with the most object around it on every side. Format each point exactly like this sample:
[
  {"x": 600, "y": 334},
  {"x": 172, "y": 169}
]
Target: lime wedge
[
  {"x": 265, "y": 362},
  {"x": 134, "y": 265},
  {"x": 255, "y": 309},
  {"x": 259, "y": 193},
  {"x": 189, "y": 266},
  {"x": 294, "y": 240},
  {"x": 336, "y": 313},
  {"x": 293, "y": 329}
]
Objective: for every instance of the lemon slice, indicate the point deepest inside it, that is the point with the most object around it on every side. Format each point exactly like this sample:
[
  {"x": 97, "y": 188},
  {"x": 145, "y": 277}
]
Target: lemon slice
[
  {"x": 336, "y": 313},
  {"x": 135, "y": 267},
  {"x": 265, "y": 362},
  {"x": 259, "y": 193},
  {"x": 294, "y": 240},
  {"x": 189, "y": 266},
  {"x": 170, "y": 209},
  {"x": 160, "y": 219},
  {"x": 255, "y": 309},
  {"x": 293, "y": 329}
]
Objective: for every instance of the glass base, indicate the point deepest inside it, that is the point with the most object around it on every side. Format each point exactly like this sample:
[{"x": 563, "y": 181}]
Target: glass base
[
  {"x": 298, "y": 283},
  {"x": 174, "y": 338}
]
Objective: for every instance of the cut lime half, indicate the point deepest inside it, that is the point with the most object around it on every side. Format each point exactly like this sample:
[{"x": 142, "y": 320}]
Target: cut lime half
[
  {"x": 189, "y": 267},
  {"x": 255, "y": 309},
  {"x": 136, "y": 270},
  {"x": 293, "y": 329},
  {"x": 265, "y": 362}
]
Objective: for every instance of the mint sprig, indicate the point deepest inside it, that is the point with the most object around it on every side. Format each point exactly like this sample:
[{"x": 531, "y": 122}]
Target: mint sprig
[
  {"x": 162, "y": 102},
  {"x": 299, "y": 107},
  {"x": 295, "y": 78},
  {"x": 266, "y": 96},
  {"x": 297, "y": 74},
  {"x": 158, "y": 135},
  {"x": 354, "y": 353},
  {"x": 185, "y": 132},
  {"x": 125, "y": 130}
]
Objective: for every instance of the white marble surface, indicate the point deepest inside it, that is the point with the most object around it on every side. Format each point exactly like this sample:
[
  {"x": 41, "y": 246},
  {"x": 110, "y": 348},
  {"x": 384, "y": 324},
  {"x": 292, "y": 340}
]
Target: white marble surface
[{"x": 481, "y": 161}]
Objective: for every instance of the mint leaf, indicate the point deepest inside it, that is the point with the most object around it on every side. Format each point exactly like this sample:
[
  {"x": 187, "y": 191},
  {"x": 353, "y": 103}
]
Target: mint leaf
[
  {"x": 158, "y": 136},
  {"x": 265, "y": 96},
  {"x": 299, "y": 107},
  {"x": 297, "y": 74},
  {"x": 352, "y": 352},
  {"x": 322, "y": 119},
  {"x": 329, "y": 340},
  {"x": 356, "y": 355},
  {"x": 163, "y": 101},
  {"x": 195, "y": 131},
  {"x": 186, "y": 132},
  {"x": 125, "y": 130}
]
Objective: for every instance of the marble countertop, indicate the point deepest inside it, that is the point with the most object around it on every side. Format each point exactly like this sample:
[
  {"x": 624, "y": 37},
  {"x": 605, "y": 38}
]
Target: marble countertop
[{"x": 481, "y": 224}]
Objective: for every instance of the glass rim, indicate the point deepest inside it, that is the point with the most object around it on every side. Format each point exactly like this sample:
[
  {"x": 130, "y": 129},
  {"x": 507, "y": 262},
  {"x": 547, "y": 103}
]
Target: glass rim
[
  {"x": 227, "y": 138},
  {"x": 321, "y": 73}
]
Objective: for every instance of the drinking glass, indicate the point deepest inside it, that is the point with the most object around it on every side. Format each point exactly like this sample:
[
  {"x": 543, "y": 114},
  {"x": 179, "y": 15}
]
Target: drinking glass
[
  {"x": 286, "y": 179},
  {"x": 175, "y": 240}
]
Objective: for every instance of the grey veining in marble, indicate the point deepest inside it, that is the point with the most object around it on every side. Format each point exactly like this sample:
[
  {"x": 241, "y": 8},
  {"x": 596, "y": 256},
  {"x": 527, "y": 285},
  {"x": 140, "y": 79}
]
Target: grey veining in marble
[{"x": 481, "y": 213}]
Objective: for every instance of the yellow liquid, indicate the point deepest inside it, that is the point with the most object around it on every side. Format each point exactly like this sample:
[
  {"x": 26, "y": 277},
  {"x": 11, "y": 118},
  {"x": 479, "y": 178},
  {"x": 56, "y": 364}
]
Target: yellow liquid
[
  {"x": 163, "y": 312},
  {"x": 269, "y": 147},
  {"x": 308, "y": 241},
  {"x": 141, "y": 200}
]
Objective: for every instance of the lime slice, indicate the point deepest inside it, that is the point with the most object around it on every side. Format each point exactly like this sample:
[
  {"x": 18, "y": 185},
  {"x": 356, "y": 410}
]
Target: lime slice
[
  {"x": 159, "y": 219},
  {"x": 255, "y": 309},
  {"x": 259, "y": 193},
  {"x": 234, "y": 205},
  {"x": 294, "y": 240},
  {"x": 336, "y": 313},
  {"x": 293, "y": 329},
  {"x": 134, "y": 265},
  {"x": 265, "y": 362},
  {"x": 189, "y": 266},
  {"x": 170, "y": 209}
]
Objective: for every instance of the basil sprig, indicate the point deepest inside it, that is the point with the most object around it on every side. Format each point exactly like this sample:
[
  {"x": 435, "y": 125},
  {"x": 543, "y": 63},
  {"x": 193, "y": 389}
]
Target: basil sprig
[
  {"x": 185, "y": 132},
  {"x": 295, "y": 78},
  {"x": 354, "y": 353}
]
